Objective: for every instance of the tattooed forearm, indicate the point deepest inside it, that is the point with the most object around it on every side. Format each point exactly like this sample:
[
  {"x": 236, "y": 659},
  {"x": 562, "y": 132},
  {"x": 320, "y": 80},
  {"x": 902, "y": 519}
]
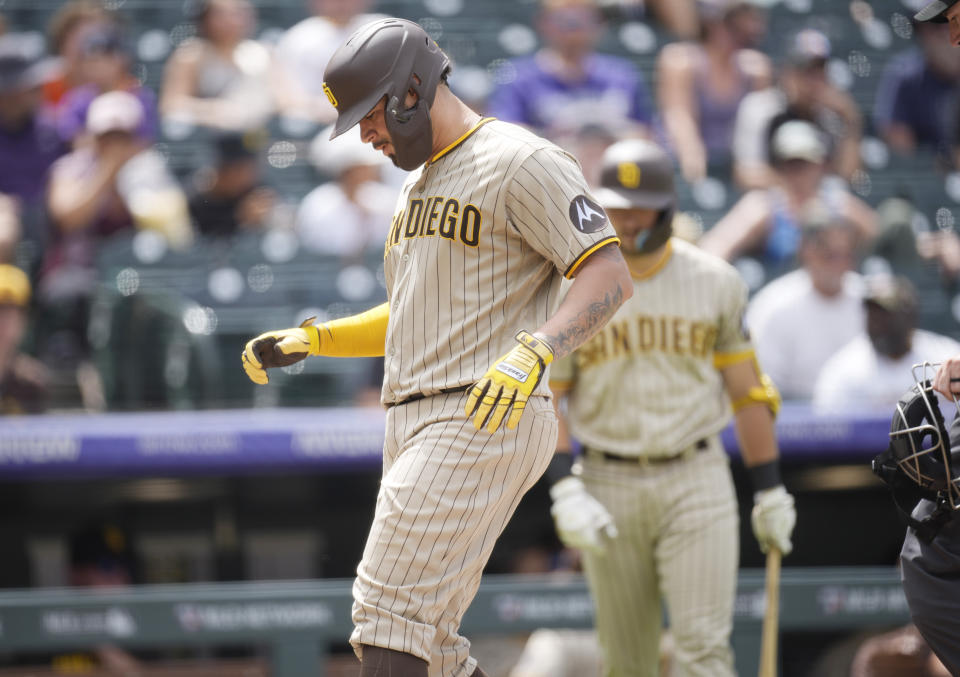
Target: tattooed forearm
[
  {"x": 601, "y": 286},
  {"x": 585, "y": 324}
]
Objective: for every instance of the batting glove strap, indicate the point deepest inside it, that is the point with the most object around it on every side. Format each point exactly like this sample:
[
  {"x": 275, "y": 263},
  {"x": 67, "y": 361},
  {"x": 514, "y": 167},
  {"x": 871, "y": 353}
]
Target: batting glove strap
[
  {"x": 773, "y": 518},
  {"x": 507, "y": 385},
  {"x": 581, "y": 520},
  {"x": 279, "y": 348}
]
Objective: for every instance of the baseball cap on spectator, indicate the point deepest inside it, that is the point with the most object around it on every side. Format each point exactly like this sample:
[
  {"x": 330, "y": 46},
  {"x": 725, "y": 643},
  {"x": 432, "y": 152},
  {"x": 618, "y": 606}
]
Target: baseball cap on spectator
[
  {"x": 807, "y": 48},
  {"x": 14, "y": 286},
  {"x": 935, "y": 11},
  {"x": 232, "y": 148},
  {"x": 335, "y": 156},
  {"x": 798, "y": 140},
  {"x": 116, "y": 111},
  {"x": 22, "y": 63},
  {"x": 893, "y": 293}
]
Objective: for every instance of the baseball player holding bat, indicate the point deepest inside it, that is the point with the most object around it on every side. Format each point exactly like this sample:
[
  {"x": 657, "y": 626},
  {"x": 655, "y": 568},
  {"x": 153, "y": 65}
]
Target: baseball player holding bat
[
  {"x": 651, "y": 502},
  {"x": 490, "y": 221}
]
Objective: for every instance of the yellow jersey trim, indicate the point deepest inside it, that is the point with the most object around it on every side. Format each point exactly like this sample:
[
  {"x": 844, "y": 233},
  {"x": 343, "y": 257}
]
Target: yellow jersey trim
[
  {"x": 657, "y": 267},
  {"x": 463, "y": 138},
  {"x": 723, "y": 360},
  {"x": 583, "y": 257}
]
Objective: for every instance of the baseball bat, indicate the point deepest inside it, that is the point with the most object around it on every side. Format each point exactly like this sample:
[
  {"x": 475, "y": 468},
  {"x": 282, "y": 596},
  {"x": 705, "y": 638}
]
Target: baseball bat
[{"x": 771, "y": 617}]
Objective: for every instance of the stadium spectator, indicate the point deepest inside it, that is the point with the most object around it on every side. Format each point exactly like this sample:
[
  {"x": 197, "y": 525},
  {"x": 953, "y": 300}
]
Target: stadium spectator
[
  {"x": 23, "y": 380},
  {"x": 800, "y": 319},
  {"x": 766, "y": 222},
  {"x": 28, "y": 139},
  {"x": 233, "y": 196},
  {"x": 917, "y": 99},
  {"x": 305, "y": 48},
  {"x": 10, "y": 228},
  {"x": 802, "y": 91},
  {"x": 85, "y": 207},
  {"x": 66, "y": 31},
  {"x": 104, "y": 65},
  {"x": 100, "y": 557},
  {"x": 221, "y": 78},
  {"x": 898, "y": 652},
  {"x": 678, "y": 17},
  {"x": 350, "y": 215},
  {"x": 567, "y": 85},
  {"x": 873, "y": 370},
  {"x": 701, "y": 84}
]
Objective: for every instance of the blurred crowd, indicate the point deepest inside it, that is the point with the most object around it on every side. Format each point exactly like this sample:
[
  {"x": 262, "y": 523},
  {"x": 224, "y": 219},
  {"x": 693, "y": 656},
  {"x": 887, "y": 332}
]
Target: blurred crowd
[{"x": 761, "y": 126}]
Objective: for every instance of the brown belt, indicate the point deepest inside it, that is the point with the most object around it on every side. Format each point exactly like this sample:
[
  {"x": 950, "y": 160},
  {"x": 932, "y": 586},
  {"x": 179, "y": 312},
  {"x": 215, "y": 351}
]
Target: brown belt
[
  {"x": 699, "y": 445},
  {"x": 420, "y": 396}
]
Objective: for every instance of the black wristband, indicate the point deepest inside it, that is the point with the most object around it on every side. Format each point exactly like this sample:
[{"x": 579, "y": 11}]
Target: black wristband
[
  {"x": 765, "y": 476},
  {"x": 561, "y": 465}
]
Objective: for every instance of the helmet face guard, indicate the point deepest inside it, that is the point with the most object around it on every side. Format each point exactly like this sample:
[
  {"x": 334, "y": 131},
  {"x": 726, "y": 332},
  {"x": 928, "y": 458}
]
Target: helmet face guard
[
  {"x": 381, "y": 62},
  {"x": 919, "y": 441}
]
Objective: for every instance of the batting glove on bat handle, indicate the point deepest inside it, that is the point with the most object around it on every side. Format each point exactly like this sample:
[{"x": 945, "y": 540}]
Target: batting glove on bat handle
[
  {"x": 279, "y": 348},
  {"x": 508, "y": 383},
  {"x": 581, "y": 520},
  {"x": 773, "y": 518}
]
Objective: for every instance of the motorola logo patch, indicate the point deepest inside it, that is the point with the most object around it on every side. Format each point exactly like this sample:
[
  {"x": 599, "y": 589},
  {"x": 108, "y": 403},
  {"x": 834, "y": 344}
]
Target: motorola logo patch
[{"x": 586, "y": 215}]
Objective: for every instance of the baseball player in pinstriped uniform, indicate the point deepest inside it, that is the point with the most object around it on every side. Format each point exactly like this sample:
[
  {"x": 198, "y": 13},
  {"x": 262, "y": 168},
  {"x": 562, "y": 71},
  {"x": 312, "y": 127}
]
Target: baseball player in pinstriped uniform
[
  {"x": 651, "y": 502},
  {"x": 487, "y": 225}
]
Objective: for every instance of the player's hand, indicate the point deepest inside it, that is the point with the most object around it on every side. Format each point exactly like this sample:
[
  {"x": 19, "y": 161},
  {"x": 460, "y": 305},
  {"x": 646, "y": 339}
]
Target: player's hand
[
  {"x": 508, "y": 383},
  {"x": 581, "y": 520},
  {"x": 773, "y": 518},
  {"x": 279, "y": 349}
]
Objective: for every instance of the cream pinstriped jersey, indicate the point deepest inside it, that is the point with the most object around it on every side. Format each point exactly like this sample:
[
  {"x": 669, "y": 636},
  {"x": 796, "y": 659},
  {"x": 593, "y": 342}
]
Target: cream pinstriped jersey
[
  {"x": 647, "y": 384},
  {"x": 481, "y": 239}
]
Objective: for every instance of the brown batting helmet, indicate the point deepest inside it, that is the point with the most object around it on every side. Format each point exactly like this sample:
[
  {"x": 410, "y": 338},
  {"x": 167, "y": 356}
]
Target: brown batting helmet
[
  {"x": 388, "y": 58},
  {"x": 638, "y": 174}
]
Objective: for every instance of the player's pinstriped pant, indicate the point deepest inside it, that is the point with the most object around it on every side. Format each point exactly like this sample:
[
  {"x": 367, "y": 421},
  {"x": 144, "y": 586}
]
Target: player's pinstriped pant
[
  {"x": 446, "y": 495},
  {"x": 678, "y": 541}
]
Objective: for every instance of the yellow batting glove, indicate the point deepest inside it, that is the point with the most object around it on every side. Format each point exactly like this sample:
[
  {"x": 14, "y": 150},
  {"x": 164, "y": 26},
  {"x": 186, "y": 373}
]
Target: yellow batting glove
[
  {"x": 508, "y": 383},
  {"x": 279, "y": 349}
]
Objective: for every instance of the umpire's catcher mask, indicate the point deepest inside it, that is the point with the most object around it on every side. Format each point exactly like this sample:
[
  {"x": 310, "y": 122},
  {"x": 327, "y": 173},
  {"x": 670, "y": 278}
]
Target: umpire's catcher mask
[
  {"x": 388, "y": 58},
  {"x": 638, "y": 174},
  {"x": 920, "y": 443}
]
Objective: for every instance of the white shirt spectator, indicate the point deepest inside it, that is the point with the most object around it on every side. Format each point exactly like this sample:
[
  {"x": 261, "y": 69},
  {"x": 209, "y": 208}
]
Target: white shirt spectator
[
  {"x": 328, "y": 222},
  {"x": 753, "y": 123},
  {"x": 858, "y": 378},
  {"x": 795, "y": 329}
]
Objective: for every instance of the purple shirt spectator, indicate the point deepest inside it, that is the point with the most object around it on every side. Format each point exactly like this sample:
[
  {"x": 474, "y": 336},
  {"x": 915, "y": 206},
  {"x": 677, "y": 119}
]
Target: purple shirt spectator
[
  {"x": 72, "y": 112},
  {"x": 912, "y": 94},
  {"x": 611, "y": 92},
  {"x": 28, "y": 152}
]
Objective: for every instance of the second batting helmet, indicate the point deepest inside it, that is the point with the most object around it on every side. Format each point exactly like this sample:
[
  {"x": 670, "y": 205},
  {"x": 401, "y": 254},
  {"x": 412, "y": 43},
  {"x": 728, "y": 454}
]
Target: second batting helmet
[
  {"x": 387, "y": 58},
  {"x": 638, "y": 174}
]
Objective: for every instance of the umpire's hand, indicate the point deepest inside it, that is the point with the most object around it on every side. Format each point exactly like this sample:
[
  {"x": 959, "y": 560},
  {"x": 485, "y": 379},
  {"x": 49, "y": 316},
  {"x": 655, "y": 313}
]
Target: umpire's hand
[
  {"x": 279, "y": 348},
  {"x": 508, "y": 383},
  {"x": 582, "y": 521}
]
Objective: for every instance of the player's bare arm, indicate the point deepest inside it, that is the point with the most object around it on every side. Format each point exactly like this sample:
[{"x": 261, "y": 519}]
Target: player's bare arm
[{"x": 601, "y": 286}]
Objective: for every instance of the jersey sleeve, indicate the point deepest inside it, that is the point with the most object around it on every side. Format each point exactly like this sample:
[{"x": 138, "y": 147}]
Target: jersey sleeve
[
  {"x": 549, "y": 205},
  {"x": 733, "y": 340}
]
